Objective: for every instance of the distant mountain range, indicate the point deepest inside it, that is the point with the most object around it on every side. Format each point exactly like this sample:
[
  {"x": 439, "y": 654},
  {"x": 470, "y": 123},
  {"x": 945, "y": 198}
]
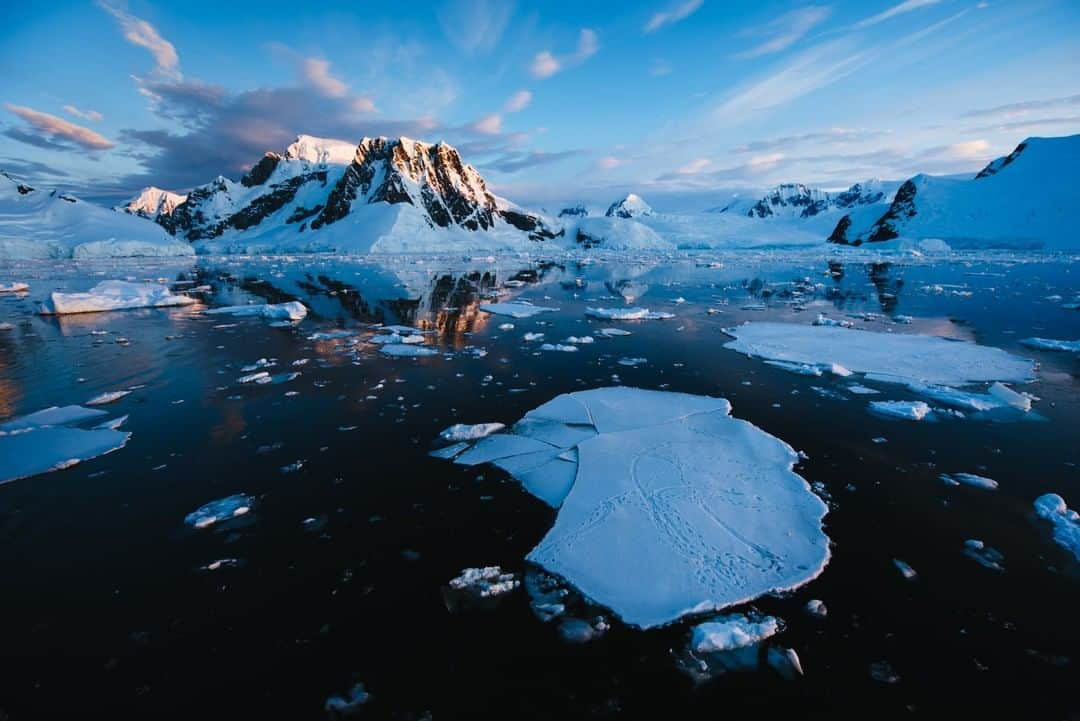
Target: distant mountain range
[{"x": 401, "y": 195}]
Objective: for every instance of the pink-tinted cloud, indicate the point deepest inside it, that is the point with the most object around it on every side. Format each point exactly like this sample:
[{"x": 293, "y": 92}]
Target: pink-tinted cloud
[
  {"x": 60, "y": 131},
  {"x": 91, "y": 115},
  {"x": 139, "y": 32}
]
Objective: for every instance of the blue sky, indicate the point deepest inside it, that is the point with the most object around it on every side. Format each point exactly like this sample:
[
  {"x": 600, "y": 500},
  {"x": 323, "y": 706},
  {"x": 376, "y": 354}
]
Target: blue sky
[{"x": 548, "y": 100}]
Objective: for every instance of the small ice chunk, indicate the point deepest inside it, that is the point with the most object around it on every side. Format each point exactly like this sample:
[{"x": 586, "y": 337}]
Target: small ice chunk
[
  {"x": 529, "y": 337},
  {"x": 907, "y": 410},
  {"x": 905, "y": 570},
  {"x": 632, "y": 362},
  {"x": 822, "y": 320},
  {"x": 969, "y": 479},
  {"x": 612, "y": 332},
  {"x": 108, "y": 397},
  {"x": 220, "y": 510},
  {"x": 462, "y": 432},
  {"x": 1065, "y": 521},
  {"x": 1009, "y": 397},
  {"x": 861, "y": 390},
  {"x": 332, "y": 334},
  {"x": 1069, "y": 346},
  {"x": 254, "y": 377},
  {"x": 816, "y": 608},
  {"x": 580, "y": 340},
  {"x": 293, "y": 310},
  {"x": 785, "y": 662},
  {"x": 407, "y": 351},
  {"x": 803, "y": 369},
  {"x": 516, "y": 310},
  {"x": 506, "y": 326},
  {"x": 627, "y": 314},
  {"x": 347, "y": 705},
  {"x": 261, "y": 363},
  {"x": 731, "y": 632},
  {"x": 14, "y": 287},
  {"x": 447, "y": 452},
  {"x": 983, "y": 554},
  {"x": 113, "y": 295},
  {"x": 559, "y": 347},
  {"x": 485, "y": 582}
]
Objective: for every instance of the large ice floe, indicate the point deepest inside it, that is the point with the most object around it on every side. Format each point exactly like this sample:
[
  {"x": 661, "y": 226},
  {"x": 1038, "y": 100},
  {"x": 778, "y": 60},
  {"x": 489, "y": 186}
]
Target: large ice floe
[
  {"x": 114, "y": 295},
  {"x": 52, "y": 439},
  {"x": 886, "y": 357},
  {"x": 668, "y": 506},
  {"x": 292, "y": 310}
]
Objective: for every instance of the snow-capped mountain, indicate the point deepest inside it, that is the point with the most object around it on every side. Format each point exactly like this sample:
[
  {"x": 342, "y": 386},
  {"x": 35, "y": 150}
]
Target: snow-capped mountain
[
  {"x": 1026, "y": 199},
  {"x": 631, "y": 206},
  {"x": 574, "y": 211},
  {"x": 795, "y": 200},
  {"x": 382, "y": 194},
  {"x": 152, "y": 203},
  {"x": 51, "y": 224}
]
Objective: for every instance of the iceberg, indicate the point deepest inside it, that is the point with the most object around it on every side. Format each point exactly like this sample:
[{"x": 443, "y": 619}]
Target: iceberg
[
  {"x": 887, "y": 357},
  {"x": 403, "y": 350},
  {"x": 668, "y": 506},
  {"x": 735, "y": 631},
  {"x": 293, "y": 310},
  {"x": 969, "y": 479},
  {"x": 113, "y": 295},
  {"x": 48, "y": 441},
  {"x": 907, "y": 410}
]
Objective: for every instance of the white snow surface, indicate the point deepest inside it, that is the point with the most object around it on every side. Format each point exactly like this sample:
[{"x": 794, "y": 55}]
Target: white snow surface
[
  {"x": 114, "y": 295},
  {"x": 48, "y": 440},
  {"x": 668, "y": 506},
  {"x": 516, "y": 310},
  {"x": 41, "y": 224},
  {"x": 888, "y": 357},
  {"x": 462, "y": 432}
]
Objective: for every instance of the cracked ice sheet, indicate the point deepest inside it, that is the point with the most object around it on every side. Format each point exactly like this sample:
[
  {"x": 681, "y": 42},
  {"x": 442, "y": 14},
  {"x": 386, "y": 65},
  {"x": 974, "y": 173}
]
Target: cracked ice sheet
[
  {"x": 889, "y": 357},
  {"x": 674, "y": 508}
]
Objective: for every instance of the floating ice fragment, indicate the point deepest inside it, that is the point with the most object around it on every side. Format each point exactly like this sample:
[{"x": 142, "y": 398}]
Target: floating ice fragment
[
  {"x": 785, "y": 662},
  {"x": 506, "y": 326},
  {"x": 113, "y": 295},
  {"x": 462, "y": 432},
  {"x": 905, "y": 570},
  {"x": 636, "y": 361},
  {"x": 822, "y": 320},
  {"x": 485, "y": 582},
  {"x": 627, "y": 314},
  {"x": 1071, "y": 346},
  {"x": 559, "y": 347},
  {"x": 969, "y": 479},
  {"x": 258, "y": 377},
  {"x": 1008, "y": 396},
  {"x": 407, "y": 351},
  {"x": 516, "y": 310},
  {"x": 108, "y": 397},
  {"x": 220, "y": 510},
  {"x": 43, "y": 441},
  {"x": 731, "y": 632},
  {"x": 816, "y": 608},
  {"x": 889, "y": 357},
  {"x": 612, "y": 332},
  {"x": 907, "y": 410},
  {"x": 14, "y": 287},
  {"x": 1065, "y": 521},
  {"x": 983, "y": 554},
  {"x": 529, "y": 337},
  {"x": 332, "y": 334},
  {"x": 648, "y": 462},
  {"x": 261, "y": 363},
  {"x": 293, "y": 310},
  {"x": 580, "y": 340},
  {"x": 347, "y": 705}
]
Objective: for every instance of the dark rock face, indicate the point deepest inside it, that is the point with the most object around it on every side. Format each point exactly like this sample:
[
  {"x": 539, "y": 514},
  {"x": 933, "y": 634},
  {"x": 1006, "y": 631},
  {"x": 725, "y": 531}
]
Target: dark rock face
[
  {"x": 587, "y": 240},
  {"x": 787, "y": 195},
  {"x": 902, "y": 208},
  {"x": 575, "y": 211},
  {"x": 994, "y": 167},
  {"x": 450, "y": 192},
  {"x": 532, "y": 224},
  {"x": 857, "y": 195},
  {"x": 839, "y": 234},
  {"x": 262, "y": 171}
]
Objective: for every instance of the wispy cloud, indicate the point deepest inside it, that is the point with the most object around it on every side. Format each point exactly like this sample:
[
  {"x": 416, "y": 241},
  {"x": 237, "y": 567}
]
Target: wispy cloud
[
  {"x": 803, "y": 74},
  {"x": 475, "y": 26},
  {"x": 316, "y": 72},
  {"x": 488, "y": 125},
  {"x": 609, "y": 162},
  {"x": 672, "y": 14},
  {"x": 546, "y": 64},
  {"x": 518, "y": 101},
  {"x": 832, "y": 136},
  {"x": 515, "y": 161},
  {"x": 1020, "y": 109},
  {"x": 660, "y": 67},
  {"x": 92, "y": 115},
  {"x": 57, "y": 131},
  {"x": 1070, "y": 120},
  {"x": 898, "y": 9},
  {"x": 694, "y": 167},
  {"x": 139, "y": 32},
  {"x": 786, "y": 30}
]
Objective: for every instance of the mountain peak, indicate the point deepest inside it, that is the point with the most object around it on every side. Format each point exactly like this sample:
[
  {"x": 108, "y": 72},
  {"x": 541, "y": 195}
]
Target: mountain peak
[{"x": 631, "y": 206}]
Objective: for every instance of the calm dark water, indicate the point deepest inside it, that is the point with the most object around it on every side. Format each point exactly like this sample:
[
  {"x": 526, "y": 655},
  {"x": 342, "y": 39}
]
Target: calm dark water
[{"x": 106, "y": 609}]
